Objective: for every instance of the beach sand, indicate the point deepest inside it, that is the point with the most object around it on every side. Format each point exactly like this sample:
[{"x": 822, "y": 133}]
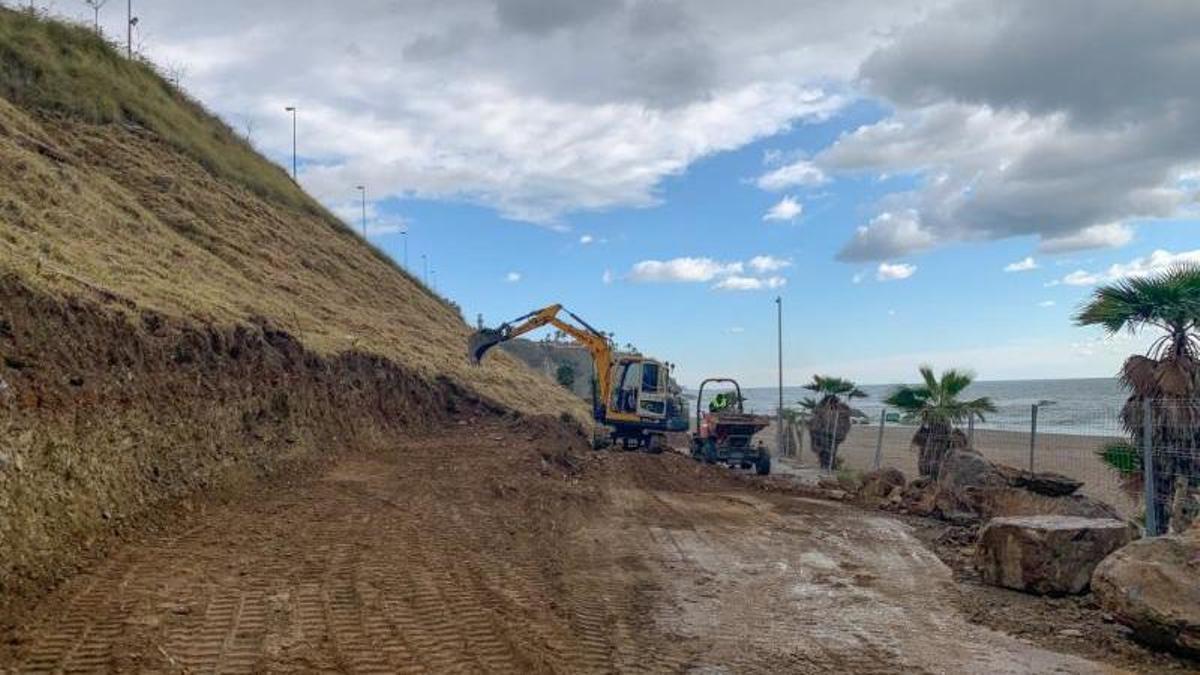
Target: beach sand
[{"x": 1067, "y": 454}]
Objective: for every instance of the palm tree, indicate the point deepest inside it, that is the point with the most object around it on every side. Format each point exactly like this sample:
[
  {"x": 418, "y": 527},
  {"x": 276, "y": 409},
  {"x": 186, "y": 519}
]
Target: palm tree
[
  {"x": 1168, "y": 375},
  {"x": 936, "y": 405},
  {"x": 829, "y": 423}
]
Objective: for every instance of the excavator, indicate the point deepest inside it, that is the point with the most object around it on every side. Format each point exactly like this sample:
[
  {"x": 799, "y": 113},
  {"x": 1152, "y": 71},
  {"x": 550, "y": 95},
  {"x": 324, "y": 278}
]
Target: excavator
[{"x": 633, "y": 396}]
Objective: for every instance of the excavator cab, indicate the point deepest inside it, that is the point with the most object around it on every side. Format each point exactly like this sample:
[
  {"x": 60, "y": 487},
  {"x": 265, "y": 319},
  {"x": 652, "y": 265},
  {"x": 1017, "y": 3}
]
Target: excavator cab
[{"x": 641, "y": 388}]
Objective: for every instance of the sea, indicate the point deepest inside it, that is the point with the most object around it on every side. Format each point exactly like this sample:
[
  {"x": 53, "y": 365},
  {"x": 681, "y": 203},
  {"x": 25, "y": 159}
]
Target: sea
[{"x": 1074, "y": 406}]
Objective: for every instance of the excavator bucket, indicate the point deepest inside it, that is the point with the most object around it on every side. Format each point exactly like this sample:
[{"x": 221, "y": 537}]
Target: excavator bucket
[{"x": 481, "y": 341}]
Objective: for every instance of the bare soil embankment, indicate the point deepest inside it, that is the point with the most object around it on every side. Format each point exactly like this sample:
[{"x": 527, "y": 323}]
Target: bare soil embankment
[{"x": 110, "y": 413}]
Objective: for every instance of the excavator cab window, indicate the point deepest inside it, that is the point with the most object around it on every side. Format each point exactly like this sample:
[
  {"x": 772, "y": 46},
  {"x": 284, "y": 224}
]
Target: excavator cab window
[
  {"x": 628, "y": 377},
  {"x": 650, "y": 377}
]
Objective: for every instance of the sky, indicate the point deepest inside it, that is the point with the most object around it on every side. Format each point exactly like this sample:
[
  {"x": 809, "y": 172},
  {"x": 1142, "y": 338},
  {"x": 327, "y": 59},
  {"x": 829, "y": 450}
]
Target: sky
[{"x": 937, "y": 182}]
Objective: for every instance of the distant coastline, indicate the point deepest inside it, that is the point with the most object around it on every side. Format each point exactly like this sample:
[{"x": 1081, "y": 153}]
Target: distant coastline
[{"x": 1087, "y": 406}]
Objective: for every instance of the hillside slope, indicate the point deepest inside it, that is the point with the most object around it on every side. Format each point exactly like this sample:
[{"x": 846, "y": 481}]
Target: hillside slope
[
  {"x": 176, "y": 315},
  {"x": 110, "y": 179}
]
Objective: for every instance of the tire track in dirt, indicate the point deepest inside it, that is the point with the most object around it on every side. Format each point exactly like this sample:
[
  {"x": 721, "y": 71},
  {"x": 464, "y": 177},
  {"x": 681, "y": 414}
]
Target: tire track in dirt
[
  {"x": 377, "y": 567},
  {"x": 469, "y": 553}
]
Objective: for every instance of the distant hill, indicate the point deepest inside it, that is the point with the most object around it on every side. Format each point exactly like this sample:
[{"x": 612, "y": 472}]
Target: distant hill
[{"x": 549, "y": 358}]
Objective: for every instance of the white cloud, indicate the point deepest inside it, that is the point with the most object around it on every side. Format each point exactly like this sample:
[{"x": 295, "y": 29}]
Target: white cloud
[
  {"x": 1022, "y": 265},
  {"x": 787, "y": 209},
  {"x": 736, "y": 330},
  {"x": 889, "y": 233},
  {"x": 1067, "y": 141},
  {"x": 894, "y": 272},
  {"x": 1046, "y": 303},
  {"x": 1158, "y": 261},
  {"x": 1066, "y": 144},
  {"x": 801, "y": 173},
  {"x": 512, "y": 277},
  {"x": 1081, "y": 278},
  {"x": 740, "y": 283},
  {"x": 729, "y": 276},
  {"x": 607, "y": 277},
  {"x": 765, "y": 263},
  {"x": 857, "y": 278},
  {"x": 586, "y": 239},
  {"x": 682, "y": 270},
  {"x": 1111, "y": 235},
  {"x": 501, "y": 107}
]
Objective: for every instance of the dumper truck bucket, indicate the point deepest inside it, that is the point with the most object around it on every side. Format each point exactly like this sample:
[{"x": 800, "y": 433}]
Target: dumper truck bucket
[{"x": 483, "y": 340}]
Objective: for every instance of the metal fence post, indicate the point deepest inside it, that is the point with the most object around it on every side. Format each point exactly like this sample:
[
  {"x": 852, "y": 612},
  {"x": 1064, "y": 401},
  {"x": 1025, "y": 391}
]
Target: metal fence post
[
  {"x": 833, "y": 442},
  {"x": 879, "y": 440},
  {"x": 971, "y": 431},
  {"x": 1032, "y": 434},
  {"x": 1148, "y": 468}
]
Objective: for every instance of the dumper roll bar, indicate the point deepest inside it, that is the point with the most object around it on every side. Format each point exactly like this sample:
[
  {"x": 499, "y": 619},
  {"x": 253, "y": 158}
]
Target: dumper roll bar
[{"x": 700, "y": 394}]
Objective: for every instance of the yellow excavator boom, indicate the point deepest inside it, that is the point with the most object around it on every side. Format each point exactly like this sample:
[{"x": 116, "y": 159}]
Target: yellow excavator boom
[{"x": 593, "y": 340}]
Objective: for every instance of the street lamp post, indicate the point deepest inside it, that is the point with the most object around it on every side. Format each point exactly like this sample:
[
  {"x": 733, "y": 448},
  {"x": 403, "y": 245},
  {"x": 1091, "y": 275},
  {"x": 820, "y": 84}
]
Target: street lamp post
[
  {"x": 363, "y": 190},
  {"x": 779, "y": 412},
  {"x": 425, "y": 269},
  {"x": 404, "y": 233},
  {"x": 128, "y": 29},
  {"x": 292, "y": 109}
]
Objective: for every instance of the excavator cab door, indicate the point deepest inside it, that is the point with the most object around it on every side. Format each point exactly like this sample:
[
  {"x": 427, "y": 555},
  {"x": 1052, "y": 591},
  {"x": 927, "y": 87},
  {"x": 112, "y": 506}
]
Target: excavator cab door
[
  {"x": 626, "y": 376},
  {"x": 652, "y": 400}
]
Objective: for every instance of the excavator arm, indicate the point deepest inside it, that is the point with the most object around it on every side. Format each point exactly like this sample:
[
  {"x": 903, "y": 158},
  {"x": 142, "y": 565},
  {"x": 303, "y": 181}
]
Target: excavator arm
[{"x": 593, "y": 340}]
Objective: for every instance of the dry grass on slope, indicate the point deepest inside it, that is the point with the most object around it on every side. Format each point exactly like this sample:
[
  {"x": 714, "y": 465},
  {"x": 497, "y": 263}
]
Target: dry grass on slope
[{"x": 128, "y": 189}]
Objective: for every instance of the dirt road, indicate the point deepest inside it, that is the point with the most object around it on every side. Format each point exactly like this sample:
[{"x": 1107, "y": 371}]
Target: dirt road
[{"x": 491, "y": 549}]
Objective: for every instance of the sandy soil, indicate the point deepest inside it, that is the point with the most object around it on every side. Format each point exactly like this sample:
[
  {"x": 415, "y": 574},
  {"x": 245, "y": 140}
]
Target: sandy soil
[{"x": 493, "y": 549}]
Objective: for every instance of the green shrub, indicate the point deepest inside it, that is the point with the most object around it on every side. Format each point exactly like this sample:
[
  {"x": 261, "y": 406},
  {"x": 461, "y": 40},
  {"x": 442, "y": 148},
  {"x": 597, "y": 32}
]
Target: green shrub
[{"x": 1123, "y": 457}]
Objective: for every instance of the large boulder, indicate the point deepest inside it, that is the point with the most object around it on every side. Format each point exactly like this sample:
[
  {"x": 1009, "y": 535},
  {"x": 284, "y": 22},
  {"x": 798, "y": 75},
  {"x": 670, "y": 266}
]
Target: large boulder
[
  {"x": 1047, "y": 555},
  {"x": 1011, "y": 501},
  {"x": 1153, "y": 586},
  {"x": 970, "y": 486},
  {"x": 878, "y": 486},
  {"x": 963, "y": 469},
  {"x": 1041, "y": 482}
]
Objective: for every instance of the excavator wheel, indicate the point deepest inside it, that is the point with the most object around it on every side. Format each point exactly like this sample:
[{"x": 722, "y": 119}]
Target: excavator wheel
[
  {"x": 763, "y": 466},
  {"x": 656, "y": 443},
  {"x": 601, "y": 439}
]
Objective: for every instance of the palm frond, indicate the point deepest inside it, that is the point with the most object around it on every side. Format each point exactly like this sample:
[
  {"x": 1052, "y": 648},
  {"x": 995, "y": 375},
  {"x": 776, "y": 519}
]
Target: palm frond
[
  {"x": 931, "y": 382},
  {"x": 1169, "y": 301},
  {"x": 907, "y": 398},
  {"x": 955, "y": 381}
]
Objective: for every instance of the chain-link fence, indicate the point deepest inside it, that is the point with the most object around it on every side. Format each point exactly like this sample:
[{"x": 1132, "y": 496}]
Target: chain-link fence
[{"x": 1146, "y": 471}]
